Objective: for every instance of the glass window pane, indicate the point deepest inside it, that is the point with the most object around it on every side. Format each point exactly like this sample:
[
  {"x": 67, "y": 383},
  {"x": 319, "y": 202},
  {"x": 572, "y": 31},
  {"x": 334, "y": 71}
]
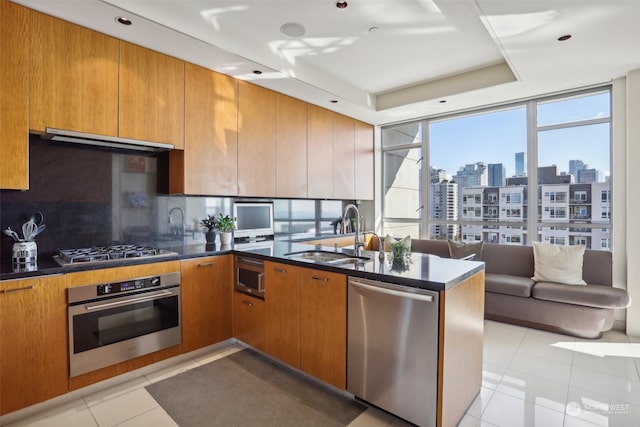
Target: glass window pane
[
  {"x": 475, "y": 160},
  {"x": 573, "y": 174},
  {"x": 410, "y": 133},
  {"x": 399, "y": 229},
  {"x": 402, "y": 177},
  {"x": 575, "y": 108},
  {"x": 330, "y": 209},
  {"x": 591, "y": 238}
]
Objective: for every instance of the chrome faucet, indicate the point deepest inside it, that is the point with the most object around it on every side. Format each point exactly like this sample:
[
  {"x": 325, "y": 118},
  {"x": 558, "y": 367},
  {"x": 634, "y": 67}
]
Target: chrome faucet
[
  {"x": 176, "y": 229},
  {"x": 357, "y": 244},
  {"x": 380, "y": 247}
]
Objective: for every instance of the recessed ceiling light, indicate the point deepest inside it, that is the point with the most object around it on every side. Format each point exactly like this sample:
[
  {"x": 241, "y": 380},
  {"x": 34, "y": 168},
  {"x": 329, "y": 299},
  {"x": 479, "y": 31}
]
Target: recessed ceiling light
[
  {"x": 373, "y": 29},
  {"x": 564, "y": 38},
  {"x": 342, "y": 4},
  {"x": 293, "y": 29},
  {"x": 122, "y": 20},
  {"x": 334, "y": 101},
  {"x": 257, "y": 72}
]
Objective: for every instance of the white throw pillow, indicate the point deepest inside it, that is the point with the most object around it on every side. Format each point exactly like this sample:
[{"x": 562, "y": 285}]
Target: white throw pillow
[
  {"x": 388, "y": 241},
  {"x": 559, "y": 264}
]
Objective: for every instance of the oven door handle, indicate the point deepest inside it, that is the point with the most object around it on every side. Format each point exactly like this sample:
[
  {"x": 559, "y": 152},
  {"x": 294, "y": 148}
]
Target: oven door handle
[{"x": 128, "y": 301}]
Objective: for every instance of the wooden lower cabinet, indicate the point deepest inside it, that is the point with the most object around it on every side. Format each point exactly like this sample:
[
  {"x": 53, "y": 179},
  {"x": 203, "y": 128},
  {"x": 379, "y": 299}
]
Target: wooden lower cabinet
[
  {"x": 248, "y": 319},
  {"x": 206, "y": 300},
  {"x": 33, "y": 341},
  {"x": 282, "y": 312},
  {"x": 323, "y": 326}
]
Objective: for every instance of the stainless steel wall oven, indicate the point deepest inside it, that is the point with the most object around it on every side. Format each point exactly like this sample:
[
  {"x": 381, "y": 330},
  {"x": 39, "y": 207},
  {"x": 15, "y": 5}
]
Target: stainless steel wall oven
[{"x": 114, "y": 322}]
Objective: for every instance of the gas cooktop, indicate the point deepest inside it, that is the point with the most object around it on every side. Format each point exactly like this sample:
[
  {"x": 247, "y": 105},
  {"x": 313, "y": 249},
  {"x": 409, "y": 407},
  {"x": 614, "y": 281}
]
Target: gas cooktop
[{"x": 106, "y": 254}]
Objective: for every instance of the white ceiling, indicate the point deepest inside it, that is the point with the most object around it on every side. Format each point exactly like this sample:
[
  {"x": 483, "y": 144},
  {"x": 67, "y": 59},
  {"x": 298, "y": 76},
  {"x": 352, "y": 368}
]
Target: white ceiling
[{"x": 468, "y": 53}]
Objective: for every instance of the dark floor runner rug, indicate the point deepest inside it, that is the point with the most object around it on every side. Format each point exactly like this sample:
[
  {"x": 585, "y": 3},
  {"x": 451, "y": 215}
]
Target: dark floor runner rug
[{"x": 248, "y": 389}]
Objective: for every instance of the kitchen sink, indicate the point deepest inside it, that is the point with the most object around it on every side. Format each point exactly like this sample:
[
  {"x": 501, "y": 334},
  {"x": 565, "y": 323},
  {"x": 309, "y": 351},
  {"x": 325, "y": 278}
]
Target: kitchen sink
[{"x": 326, "y": 257}]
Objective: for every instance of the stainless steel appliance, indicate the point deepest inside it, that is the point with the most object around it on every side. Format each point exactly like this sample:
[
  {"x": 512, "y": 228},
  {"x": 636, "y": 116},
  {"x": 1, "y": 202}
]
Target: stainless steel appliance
[
  {"x": 392, "y": 348},
  {"x": 109, "y": 254},
  {"x": 114, "y": 322},
  {"x": 250, "y": 275}
]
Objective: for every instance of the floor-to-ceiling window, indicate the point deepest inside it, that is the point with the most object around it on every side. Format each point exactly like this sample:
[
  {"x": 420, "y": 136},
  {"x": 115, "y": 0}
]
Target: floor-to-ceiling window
[{"x": 536, "y": 170}]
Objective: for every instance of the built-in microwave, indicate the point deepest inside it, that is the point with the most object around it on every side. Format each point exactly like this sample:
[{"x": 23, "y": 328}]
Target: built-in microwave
[{"x": 250, "y": 276}]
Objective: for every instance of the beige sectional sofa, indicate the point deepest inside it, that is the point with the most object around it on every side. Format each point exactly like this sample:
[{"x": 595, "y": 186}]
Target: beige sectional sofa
[{"x": 511, "y": 295}]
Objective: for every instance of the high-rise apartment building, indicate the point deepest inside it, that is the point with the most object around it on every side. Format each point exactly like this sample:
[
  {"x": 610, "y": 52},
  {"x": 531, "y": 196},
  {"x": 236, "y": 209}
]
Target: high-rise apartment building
[
  {"x": 437, "y": 175},
  {"x": 589, "y": 175},
  {"x": 472, "y": 175},
  {"x": 497, "y": 175},
  {"x": 575, "y": 166},
  {"x": 521, "y": 164},
  {"x": 444, "y": 206}
]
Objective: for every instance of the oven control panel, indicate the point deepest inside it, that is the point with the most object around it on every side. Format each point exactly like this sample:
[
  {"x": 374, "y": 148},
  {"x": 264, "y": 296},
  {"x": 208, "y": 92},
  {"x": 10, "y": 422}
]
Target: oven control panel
[{"x": 130, "y": 285}]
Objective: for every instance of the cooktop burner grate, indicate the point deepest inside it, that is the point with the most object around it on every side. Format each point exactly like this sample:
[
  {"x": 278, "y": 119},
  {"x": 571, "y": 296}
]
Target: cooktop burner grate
[{"x": 105, "y": 253}]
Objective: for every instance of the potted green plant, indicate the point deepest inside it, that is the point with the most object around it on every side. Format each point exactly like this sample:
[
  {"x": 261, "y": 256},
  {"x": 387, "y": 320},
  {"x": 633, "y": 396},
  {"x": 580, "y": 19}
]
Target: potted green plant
[
  {"x": 226, "y": 225},
  {"x": 210, "y": 223}
]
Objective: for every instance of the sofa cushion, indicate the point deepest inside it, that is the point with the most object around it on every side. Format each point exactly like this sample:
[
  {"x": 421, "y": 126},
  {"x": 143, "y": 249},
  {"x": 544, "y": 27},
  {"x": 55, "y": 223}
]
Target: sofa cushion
[
  {"x": 460, "y": 250},
  {"x": 558, "y": 264},
  {"x": 588, "y": 295},
  {"x": 510, "y": 285}
]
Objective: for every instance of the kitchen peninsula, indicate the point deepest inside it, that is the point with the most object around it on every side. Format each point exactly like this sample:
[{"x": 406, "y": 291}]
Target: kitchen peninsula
[{"x": 318, "y": 317}]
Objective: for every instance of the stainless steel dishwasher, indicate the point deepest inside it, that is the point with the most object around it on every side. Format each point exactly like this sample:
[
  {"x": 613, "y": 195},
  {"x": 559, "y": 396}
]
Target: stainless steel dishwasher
[{"x": 392, "y": 348}]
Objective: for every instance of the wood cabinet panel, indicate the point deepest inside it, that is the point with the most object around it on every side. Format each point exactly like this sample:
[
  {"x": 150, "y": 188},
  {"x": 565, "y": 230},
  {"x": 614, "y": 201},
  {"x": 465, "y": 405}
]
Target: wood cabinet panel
[
  {"x": 14, "y": 96},
  {"x": 460, "y": 348},
  {"x": 319, "y": 152},
  {"x": 210, "y": 159},
  {"x": 151, "y": 96},
  {"x": 206, "y": 300},
  {"x": 364, "y": 161},
  {"x": 256, "y": 141},
  {"x": 291, "y": 147},
  {"x": 282, "y": 312},
  {"x": 33, "y": 339},
  {"x": 343, "y": 157},
  {"x": 323, "y": 326},
  {"x": 248, "y": 319},
  {"x": 74, "y": 77}
]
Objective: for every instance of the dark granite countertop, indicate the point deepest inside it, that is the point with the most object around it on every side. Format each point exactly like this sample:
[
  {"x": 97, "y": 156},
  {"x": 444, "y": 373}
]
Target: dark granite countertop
[{"x": 421, "y": 271}]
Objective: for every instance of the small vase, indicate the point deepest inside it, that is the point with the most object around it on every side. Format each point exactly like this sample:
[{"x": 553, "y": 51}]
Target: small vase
[
  {"x": 226, "y": 237},
  {"x": 210, "y": 236}
]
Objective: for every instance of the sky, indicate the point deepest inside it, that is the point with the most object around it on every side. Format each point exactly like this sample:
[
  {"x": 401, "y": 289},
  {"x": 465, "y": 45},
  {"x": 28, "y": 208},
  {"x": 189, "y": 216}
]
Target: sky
[{"x": 495, "y": 137}]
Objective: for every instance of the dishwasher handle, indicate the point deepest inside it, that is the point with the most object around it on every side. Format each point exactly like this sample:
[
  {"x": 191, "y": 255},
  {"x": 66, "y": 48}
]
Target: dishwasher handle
[{"x": 381, "y": 290}]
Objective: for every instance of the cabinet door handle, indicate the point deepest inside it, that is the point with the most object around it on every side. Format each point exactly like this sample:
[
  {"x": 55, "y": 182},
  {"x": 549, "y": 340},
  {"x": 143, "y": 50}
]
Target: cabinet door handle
[
  {"x": 245, "y": 302},
  {"x": 206, "y": 264},
  {"x": 324, "y": 279},
  {"x": 26, "y": 288},
  {"x": 279, "y": 270}
]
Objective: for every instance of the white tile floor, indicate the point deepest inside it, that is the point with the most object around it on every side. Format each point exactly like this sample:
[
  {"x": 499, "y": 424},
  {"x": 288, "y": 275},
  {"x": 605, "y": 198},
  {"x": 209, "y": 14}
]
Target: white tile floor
[{"x": 530, "y": 378}]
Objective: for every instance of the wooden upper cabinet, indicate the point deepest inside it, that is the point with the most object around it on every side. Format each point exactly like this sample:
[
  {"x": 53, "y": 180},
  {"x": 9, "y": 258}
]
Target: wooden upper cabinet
[
  {"x": 151, "y": 96},
  {"x": 14, "y": 96},
  {"x": 256, "y": 141},
  {"x": 319, "y": 152},
  {"x": 364, "y": 166},
  {"x": 209, "y": 163},
  {"x": 74, "y": 77},
  {"x": 291, "y": 147},
  {"x": 343, "y": 157}
]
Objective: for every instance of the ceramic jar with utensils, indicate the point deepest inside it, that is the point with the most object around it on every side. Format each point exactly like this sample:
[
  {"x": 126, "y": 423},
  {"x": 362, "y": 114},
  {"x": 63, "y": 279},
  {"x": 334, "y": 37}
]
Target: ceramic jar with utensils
[{"x": 25, "y": 256}]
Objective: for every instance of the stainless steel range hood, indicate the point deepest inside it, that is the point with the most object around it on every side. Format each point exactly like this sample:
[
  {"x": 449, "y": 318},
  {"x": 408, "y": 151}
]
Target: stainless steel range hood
[{"x": 62, "y": 135}]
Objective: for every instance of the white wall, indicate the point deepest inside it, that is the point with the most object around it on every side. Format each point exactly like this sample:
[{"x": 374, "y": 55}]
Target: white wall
[{"x": 632, "y": 220}]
